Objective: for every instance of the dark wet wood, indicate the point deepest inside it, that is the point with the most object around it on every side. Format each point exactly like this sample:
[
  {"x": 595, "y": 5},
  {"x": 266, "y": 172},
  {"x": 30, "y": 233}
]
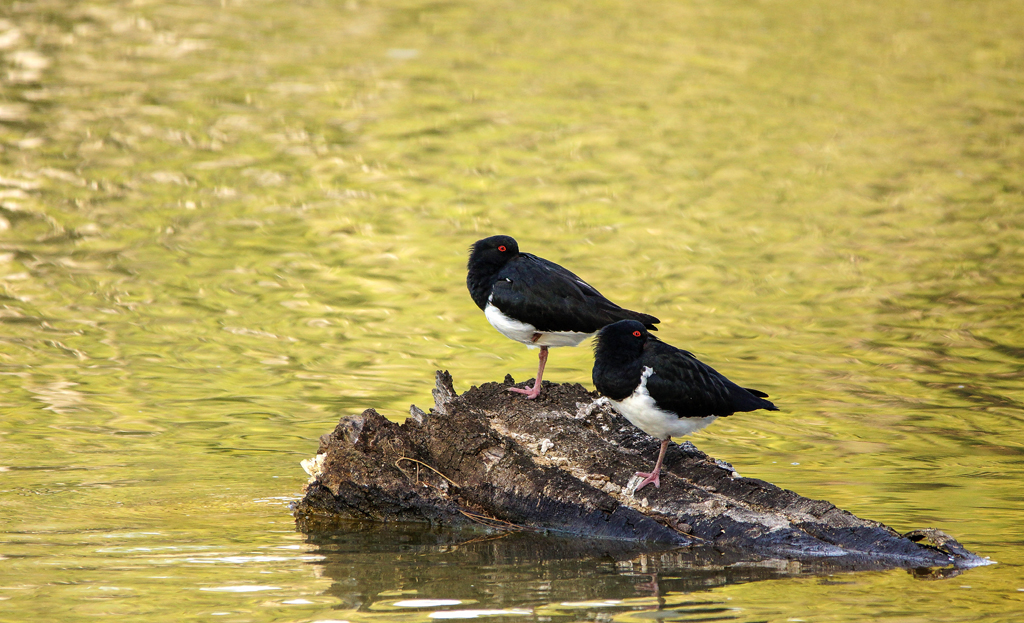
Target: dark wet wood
[{"x": 561, "y": 464}]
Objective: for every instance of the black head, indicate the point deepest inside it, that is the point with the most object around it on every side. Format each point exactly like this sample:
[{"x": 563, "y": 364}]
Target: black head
[
  {"x": 618, "y": 358},
  {"x": 495, "y": 251},
  {"x": 622, "y": 339},
  {"x": 486, "y": 259}
]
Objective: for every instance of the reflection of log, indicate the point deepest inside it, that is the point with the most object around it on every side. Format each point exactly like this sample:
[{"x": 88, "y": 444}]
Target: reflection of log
[
  {"x": 373, "y": 565},
  {"x": 559, "y": 464}
]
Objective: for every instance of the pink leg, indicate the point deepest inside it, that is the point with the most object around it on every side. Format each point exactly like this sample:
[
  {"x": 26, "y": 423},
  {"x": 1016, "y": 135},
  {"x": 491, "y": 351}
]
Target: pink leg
[
  {"x": 535, "y": 390},
  {"x": 653, "y": 476}
]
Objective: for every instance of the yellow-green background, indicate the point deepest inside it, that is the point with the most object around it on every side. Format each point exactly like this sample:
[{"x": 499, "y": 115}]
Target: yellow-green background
[{"x": 225, "y": 224}]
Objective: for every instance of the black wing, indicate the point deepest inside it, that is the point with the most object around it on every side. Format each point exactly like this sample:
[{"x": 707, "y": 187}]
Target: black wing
[
  {"x": 551, "y": 298},
  {"x": 686, "y": 386}
]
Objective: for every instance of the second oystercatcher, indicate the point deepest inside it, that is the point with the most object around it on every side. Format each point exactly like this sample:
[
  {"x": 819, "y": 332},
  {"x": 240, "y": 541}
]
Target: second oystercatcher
[
  {"x": 662, "y": 390},
  {"x": 537, "y": 302}
]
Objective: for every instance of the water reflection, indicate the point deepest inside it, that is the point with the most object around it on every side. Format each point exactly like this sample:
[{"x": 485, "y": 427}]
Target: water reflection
[{"x": 417, "y": 573}]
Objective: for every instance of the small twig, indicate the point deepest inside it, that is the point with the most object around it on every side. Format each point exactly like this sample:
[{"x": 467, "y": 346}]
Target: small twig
[
  {"x": 418, "y": 463},
  {"x": 498, "y": 524}
]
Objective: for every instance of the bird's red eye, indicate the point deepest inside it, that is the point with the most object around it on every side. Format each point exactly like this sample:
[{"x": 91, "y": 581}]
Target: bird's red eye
[
  {"x": 502, "y": 248},
  {"x": 636, "y": 334}
]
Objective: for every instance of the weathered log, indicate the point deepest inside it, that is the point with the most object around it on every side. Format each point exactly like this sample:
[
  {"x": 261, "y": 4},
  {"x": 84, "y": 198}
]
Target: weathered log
[{"x": 557, "y": 464}]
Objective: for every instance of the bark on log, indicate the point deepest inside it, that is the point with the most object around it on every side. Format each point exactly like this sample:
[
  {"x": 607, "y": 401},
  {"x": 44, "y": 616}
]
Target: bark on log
[{"x": 558, "y": 464}]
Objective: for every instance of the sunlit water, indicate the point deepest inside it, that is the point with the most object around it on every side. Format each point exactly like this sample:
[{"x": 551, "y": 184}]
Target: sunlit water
[{"x": 225, "y": 225}]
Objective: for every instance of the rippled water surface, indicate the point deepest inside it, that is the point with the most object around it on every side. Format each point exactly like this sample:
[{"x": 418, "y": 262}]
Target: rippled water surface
[{"x": 223, "y": 225}]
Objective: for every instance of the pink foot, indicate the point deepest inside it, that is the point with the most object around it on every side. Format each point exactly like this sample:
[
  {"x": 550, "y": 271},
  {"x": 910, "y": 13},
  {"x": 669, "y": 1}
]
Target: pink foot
[
  {"x": 648, "y": 478},
  {"x": 531, "y": 393},
  {"x": 654, "y": 475},
  {"x": 534, "y": 391}
]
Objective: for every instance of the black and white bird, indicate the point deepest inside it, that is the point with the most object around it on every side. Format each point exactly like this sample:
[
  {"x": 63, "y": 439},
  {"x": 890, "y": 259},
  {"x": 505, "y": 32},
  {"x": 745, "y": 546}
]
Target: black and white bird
[
  {"x": 531, "y": 300},
  {"x": 662, "y": 390}
]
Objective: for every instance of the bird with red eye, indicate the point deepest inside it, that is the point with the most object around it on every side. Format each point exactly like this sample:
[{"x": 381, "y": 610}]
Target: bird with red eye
[
  {"x": 662, "y": 390},
  {"x": 536, "y": 302}
]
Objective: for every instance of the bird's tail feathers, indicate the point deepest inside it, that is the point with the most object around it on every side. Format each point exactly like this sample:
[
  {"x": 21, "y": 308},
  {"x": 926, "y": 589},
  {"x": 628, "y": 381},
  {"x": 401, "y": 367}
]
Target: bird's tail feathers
[
  {"x": 647, "y": 320},
  {"x": 767, "y": 405}
]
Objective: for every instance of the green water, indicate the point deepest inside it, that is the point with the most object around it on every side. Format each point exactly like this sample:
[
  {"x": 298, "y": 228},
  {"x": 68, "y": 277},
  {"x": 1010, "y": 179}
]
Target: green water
[{"x": 223, "y": 225}]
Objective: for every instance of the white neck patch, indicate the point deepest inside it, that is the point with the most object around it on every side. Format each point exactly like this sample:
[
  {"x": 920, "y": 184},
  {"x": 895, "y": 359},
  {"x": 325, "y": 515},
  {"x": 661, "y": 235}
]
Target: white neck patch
[{"x": 640, "y": 409}]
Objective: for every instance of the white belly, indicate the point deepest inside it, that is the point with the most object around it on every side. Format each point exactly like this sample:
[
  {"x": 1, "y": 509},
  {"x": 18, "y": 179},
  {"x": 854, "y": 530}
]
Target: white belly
[
  {"x": 640, "y": 410},
  {"x": 526, "y": 333}
]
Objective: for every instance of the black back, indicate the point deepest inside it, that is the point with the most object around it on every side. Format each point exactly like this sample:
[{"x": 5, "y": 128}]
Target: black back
[
  {"x": 542, "y": 293},
  {"x": 681, "y": 383}
]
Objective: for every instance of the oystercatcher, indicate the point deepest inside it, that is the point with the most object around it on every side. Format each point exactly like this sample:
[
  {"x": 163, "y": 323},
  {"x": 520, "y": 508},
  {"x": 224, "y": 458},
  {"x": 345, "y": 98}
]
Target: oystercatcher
[
  {"x": 662, "y": 390},
  {"x": 537, "y": 302}
]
